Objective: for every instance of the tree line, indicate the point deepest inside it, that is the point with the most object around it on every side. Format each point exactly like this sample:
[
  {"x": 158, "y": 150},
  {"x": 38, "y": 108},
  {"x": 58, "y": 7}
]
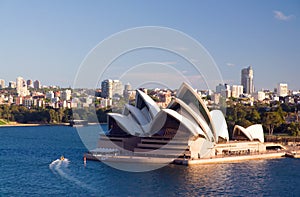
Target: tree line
[
  {"x": 272, "y": 118},
  {"x": 22, "y": 114}
]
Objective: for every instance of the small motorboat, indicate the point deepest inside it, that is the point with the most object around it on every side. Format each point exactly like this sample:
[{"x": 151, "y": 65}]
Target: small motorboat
[
  {"x": 292, "y": 154},
  {"x": 62, "y": 158}
]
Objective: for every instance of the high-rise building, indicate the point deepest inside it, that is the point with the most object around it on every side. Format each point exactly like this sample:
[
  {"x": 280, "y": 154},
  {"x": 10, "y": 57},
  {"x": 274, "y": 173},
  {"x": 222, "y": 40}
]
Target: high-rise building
[
  {"x": 29, "y": 83},
  {"x": 111, "y": 88},
  {"x": 226, "y": 93},
  {"x": 2, "y": 83},
  {"x": 127, "y": 87},
  {"x": 21, "y": 87},
  {"x": 36, "y": 84},
  {"x": 247, "y": 80},
  {"x": 127, "y": 90},
  {"x": 219, "y": 88},
  {"x": 236, "y": 91},
  {"x": 224, "y": 90},
  {"x": 106, "y": 87},
  {"x": 12, "y": 84},
  {"x": 282, "y": 89},
  {"x": 117, "y": 88}
]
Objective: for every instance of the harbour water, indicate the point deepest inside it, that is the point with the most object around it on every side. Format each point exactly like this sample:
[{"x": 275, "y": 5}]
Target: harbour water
[{"x": 29, "y": 167}]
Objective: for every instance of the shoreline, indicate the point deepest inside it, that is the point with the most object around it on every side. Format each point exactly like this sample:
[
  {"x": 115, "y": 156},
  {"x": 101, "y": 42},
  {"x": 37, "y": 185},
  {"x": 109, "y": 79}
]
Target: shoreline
[
  {"x": 32, "y": 125},
  {"x": 14, "y": 124}
]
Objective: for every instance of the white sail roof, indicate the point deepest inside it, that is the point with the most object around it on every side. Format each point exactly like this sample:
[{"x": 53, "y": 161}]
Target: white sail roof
[
  {"x": 220, "y": 124},
  {"x": 127, "y": 123},
  {"x": 197, "y": 118},
  {"x": 189, "y": 96},
  {"x": 137, "y": 114},
  {"x": 151, "y": 105},
  {"x": 253, "y": 132}
]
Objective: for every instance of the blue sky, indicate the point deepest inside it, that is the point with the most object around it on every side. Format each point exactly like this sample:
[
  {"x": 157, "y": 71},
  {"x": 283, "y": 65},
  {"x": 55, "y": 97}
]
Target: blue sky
[{"x": 48, "y": 40}]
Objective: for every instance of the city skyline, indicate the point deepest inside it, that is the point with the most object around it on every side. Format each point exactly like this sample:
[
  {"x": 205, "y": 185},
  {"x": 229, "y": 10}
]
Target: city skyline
[
  {"x": 49, "y": 40},
  {"x": 36, "y": 84}
]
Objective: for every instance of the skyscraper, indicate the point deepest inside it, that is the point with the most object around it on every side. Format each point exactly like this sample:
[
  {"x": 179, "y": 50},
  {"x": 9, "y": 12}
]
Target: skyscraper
[
  {"x": 29, "y": 83},
  {"x": 247, "y": 80},
  {"x": 21, "y": 87},
  {"x": 282, "y": 89},
  {"x": 37, "y": 84},
  {"x": 106, "y": 87},
  {"x": 111, "y": 88},
  {"x": 127, "y": 90}
]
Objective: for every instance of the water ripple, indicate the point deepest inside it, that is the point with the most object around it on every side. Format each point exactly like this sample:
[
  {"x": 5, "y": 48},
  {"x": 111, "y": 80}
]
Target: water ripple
[{"x": 25, "y": 155}]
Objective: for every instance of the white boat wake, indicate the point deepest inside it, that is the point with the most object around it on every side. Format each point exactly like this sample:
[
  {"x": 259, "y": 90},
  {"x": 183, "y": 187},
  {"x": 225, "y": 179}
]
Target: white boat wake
[{"x": 59, "y": 167}]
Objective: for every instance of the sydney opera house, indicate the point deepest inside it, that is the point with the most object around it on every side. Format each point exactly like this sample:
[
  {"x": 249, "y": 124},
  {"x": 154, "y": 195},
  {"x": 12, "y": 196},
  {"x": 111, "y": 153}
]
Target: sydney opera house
[{"x": 185, "y": 130}]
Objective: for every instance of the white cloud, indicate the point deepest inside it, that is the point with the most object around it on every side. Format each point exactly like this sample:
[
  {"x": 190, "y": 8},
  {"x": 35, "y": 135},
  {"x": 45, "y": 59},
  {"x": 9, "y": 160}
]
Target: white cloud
[
  {"x": 184, "y": 71},
  {"x": 168, "y": 63},
  {"x": 281, "y": 16},
  {"x": 180, "y": 48},
  {"x": 230, "y": 64}
]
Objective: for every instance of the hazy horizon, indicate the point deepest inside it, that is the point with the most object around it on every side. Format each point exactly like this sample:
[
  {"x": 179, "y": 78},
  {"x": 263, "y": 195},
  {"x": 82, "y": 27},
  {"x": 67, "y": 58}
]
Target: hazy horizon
[{"x": 48, "y": 40}]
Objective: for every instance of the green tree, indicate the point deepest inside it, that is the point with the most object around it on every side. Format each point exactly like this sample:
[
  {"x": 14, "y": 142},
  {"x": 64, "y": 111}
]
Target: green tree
[
  {"x": 281, "y": 113},
  {"x": 68, "y": 115},
  {"x": 6, "y": 112},
  {"x": 272, "y": 120},
  {"x": 285, "y": 107},
  {"x": 60, "y": 113},
  {"x": 254, "y": 117},
  {"x": 52, "y": 116},
  {"x": 231, "y": 114},
  {"x": 102, "y": 114},
  {"x": 1, "y": 112},
  {"x": 294, "y": 129}
]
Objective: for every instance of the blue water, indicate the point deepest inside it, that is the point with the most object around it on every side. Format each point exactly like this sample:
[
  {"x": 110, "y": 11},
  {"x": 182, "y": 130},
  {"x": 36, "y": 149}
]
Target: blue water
[{"x": 29, "y": 167}]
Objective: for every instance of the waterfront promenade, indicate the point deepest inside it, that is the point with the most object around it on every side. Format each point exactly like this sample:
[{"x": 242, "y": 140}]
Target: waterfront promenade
[
  {"x": 183, "y": 161},
  {"x": 234, "y": 158}
]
